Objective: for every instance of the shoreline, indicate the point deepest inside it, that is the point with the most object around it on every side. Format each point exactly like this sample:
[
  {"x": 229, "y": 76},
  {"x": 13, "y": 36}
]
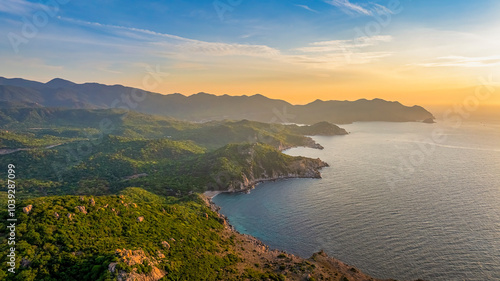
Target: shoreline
[
  {"x": 333, "y": 268},
  {"x": 211, "y": 194}
]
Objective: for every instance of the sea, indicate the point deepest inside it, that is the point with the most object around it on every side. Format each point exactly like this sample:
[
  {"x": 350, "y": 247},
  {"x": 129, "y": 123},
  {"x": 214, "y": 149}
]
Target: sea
[{"x": 399, "y": 200}]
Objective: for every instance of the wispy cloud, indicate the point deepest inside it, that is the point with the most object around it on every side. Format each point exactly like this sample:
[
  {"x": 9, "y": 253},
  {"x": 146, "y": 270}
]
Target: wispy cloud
[
  {"x": 335, "y": 60},
  {"x": 18, "y": 7},
  {"x": 345, "y": 45},
  {"x": 461, "y": 61},
  {"x": 337, "y": 53},
  {"x": 349, "y": 7},
  {"x": 160, "y": 46},
  {"x": 170, "y": 42},
  {"x": 307, "y": 8},
  {"x": 353, "y": 8}
]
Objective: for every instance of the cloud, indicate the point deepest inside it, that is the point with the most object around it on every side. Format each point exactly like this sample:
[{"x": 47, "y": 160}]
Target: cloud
[
  {"x": 173, "y": 43},
  {"x": 307, "y": 8},
  {"x": 348, "y": 6},
  {"x": 461, "y": 61},
  {"x": 337, "y": 53},
  {"x": 19, "y": 7},
  {"x": 129, "y": 41},
  {"x": 345, "y": 45},
  {"x": 335, "y": 60},
  {"x": 352, "y": 8}
]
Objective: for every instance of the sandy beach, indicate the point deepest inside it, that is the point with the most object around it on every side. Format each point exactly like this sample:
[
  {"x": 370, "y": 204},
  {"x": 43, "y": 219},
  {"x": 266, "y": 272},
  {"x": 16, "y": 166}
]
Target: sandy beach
[{"x": 211, "y": 194}]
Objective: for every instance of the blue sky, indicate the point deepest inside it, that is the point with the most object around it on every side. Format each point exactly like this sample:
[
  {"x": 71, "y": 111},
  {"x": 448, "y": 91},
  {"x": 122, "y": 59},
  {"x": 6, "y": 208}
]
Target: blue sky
[{"x": 339, "y": 48}]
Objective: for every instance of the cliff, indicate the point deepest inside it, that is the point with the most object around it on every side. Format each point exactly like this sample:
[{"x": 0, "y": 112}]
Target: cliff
[
  {"x": 259, "y": 257},
  {"x": 238, "y": 167},
  {"x": 175, "y": 239}
]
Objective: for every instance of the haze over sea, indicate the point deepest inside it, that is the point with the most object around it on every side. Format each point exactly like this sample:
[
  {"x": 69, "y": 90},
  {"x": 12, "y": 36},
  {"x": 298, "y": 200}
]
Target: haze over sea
[{"x": 439, "y": 220}]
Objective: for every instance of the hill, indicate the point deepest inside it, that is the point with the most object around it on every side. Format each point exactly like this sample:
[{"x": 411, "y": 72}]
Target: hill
[
  {"x": 137, "y": 235},
  {"x": 201, "y": 106},
  {"x": 35, "y": 127},
  {"x": 70, "y": 151}
]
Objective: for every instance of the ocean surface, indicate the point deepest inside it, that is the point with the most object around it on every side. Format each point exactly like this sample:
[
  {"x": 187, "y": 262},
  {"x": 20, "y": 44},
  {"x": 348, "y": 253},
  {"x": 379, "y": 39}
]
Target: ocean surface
[{"x": 399, "y": 200}]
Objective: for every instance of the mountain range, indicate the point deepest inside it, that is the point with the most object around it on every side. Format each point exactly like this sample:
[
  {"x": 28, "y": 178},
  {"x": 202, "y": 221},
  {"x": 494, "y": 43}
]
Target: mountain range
[{"x": 201, "y": 107}]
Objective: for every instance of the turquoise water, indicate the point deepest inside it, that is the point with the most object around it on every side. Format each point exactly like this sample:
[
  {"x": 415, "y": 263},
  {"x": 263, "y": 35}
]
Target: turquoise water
[{"x": 393, "y": 202}]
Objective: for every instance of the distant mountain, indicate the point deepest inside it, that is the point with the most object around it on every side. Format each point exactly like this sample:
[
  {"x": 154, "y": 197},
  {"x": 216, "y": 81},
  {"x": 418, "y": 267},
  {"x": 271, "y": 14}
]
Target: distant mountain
[{"x": 201, "y": 106}]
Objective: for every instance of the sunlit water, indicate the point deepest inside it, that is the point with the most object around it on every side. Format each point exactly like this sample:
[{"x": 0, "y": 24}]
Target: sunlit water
[{"x": 393, "y": 202}]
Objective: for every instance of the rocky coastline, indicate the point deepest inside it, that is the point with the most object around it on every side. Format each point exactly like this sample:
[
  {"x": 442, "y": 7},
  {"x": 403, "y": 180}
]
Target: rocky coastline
[{"x": 317, "y": 267}]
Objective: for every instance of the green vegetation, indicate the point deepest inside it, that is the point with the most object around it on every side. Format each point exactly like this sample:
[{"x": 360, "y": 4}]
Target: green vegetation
[
  {"x": 56, "y": 241},
  {"x": 101, "y": 152},
  {"x": 79, "y": 170}
]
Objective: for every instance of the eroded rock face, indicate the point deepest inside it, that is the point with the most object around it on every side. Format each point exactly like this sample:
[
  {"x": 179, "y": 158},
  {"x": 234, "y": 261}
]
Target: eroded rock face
[
  {"x": 112, "y": 267},
  {"x": 165, "y": 244},
  {"x": 301, "y": 168},
  {"x": 81, "y": 209},
  {"x": 131, "y": 258},
  {"x": 27, "y": 209},
  {"x": 92, "y": 202}
]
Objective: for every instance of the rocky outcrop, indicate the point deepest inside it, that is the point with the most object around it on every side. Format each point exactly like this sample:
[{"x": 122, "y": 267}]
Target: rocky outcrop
[
  {"x": 429, "y": 121},
  {"x": 131, "y": 258},
  {"x": 140, "y": 219},
  {"x": 92, "y": 202},
  {"x": 81, "y": 209},
  {"x": 301, "y": 167},
  {"x": 27, "y": 209},
  {"x": 318, "y": 267},
  {"x": 165, "y": 245}
]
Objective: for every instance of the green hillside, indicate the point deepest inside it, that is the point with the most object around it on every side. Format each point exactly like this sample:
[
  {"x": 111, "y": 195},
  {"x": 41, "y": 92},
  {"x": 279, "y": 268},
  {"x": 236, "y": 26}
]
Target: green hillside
[
  {"x": 77, "y": 238},
  {"x": 82, "y": 217}
]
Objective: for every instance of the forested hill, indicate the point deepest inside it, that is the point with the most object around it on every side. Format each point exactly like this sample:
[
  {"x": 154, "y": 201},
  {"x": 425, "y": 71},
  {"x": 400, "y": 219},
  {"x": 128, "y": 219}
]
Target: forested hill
[
  {"x": 101, "y": 151},
  {"x": 201, "y": 106},
  {"x": 35, "y": 127},
  {"x": 137, "y": 235}
]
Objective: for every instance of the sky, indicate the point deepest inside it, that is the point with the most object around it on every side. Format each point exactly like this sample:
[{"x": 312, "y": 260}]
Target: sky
[{"x": 417, "y": 52}]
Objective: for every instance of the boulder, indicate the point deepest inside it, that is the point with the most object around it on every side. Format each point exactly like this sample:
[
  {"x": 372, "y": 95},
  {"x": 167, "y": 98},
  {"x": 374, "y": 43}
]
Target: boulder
[
  {"x": 81, "y": 209},
  {"x": 140, "y": 219},
  {"x": 112, "y": 267},
  {"x": 27, "y": 209},
  {"x": 165, "y": 244}
]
